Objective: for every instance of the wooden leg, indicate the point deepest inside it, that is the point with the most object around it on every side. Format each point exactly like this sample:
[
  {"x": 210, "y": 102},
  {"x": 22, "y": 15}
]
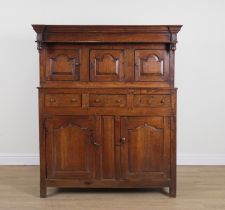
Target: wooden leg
[
  {"x": 43, "y": 191},
  {"x": 172, "y": 191}
]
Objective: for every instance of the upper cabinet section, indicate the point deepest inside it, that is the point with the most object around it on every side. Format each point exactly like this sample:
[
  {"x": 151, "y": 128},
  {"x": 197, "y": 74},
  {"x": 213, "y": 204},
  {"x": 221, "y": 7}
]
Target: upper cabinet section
[{"x": 107, "y": 54}]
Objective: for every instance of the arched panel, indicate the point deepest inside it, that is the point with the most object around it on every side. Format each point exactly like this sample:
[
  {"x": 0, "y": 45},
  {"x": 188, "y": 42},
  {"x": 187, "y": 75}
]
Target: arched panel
[
  {"x": 106, "y": 65},
  {"x": 151, "y": 65},
  {"x": 144, "y": 148},
  {"x": 70, "y": 143},
  {"x": 62, "y": 64}
]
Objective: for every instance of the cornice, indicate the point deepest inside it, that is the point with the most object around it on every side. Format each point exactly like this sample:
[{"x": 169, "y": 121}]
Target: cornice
[{"x": 107, "y": 34}]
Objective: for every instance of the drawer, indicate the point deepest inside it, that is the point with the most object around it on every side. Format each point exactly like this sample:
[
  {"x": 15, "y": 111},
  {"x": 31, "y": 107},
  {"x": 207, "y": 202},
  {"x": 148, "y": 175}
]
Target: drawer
[
  {"x": 107, "y": 100},
  {"x": 63, "y": 100},
  {"x": 152, "y": 100}
]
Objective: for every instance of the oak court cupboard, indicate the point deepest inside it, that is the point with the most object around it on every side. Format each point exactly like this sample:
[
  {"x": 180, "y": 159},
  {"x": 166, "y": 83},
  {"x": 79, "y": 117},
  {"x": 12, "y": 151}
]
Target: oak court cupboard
[{"x": 107, "y": 106}]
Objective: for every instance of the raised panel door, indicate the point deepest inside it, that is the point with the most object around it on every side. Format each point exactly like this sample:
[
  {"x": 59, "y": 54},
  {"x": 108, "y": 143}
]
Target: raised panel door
[
  {"x": 145, "y": 150},
  {"x": 70, "y": 147},
  {"x": 151, "y": 65},
  {"x": 62, "y": 64},
  {"x": 106, "y": 65}
]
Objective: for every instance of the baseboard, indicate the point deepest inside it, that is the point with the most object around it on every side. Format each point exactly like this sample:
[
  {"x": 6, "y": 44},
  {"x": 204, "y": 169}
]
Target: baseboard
[
  {"x": 19, "y": 159},
  {"x": 182, "y": 159},
  {"x": 200, "y": 159}
]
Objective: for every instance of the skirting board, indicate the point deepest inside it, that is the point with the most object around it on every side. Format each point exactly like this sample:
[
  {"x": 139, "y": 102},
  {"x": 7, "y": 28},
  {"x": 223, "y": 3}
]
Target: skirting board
[{"x": 182, "y": 159}]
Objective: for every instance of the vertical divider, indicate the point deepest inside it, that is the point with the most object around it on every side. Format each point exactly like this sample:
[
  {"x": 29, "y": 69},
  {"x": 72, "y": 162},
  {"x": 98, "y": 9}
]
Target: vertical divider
[
  {"x": 130, "y": 99},
  {"x": 98, "y": 151},
  {"x": 84, "y": 68},
  {"x": 129, "y": 61},
  {"x": 117, "y": 147},
  {"x": 85, "y": 100}
]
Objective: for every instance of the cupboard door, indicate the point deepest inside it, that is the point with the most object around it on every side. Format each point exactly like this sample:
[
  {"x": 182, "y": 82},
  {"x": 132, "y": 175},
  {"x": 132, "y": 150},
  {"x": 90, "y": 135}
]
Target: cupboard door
[
  {"x": 151, "y": 65},
  {"x": 69, "y": 147},
  {"x": 106, "y": 65},
  {"x": 146, "y": 147},
  {"x": 62, "y": 64}
]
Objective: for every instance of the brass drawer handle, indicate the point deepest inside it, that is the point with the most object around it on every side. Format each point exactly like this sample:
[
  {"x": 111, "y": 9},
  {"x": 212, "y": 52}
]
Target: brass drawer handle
[
  {"x": 73, "y": 100},
  {"x": 118, "y": 100},
  {"x": 162, "y": 101},
  {"x": 97, "y": 100},
  {"x": 52, "y": 100}
]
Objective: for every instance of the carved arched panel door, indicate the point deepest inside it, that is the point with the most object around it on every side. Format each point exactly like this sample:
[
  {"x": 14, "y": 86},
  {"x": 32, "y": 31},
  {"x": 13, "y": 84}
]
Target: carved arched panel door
[
  {"x": 69, "y": 147},
  {"x": 146, "y": 147},
  {"x": 62, "y": 64},
  {"x": 106, "y": 65},
  {"x": 151, "y": 65}
]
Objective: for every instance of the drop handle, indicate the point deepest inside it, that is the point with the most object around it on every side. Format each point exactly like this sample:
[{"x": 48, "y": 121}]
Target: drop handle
[
  {"x": 162, "y": 101},
  {"x": 118, "y": 100},
  {"x": 123, "y": 140},
  {"x": 97, "y": 100},
  {"x": 93, "y": 139},
  {"x": 52, "y": 100},
  {"x": 96, "y": 144},
  {"x": 73, "y": 100}
]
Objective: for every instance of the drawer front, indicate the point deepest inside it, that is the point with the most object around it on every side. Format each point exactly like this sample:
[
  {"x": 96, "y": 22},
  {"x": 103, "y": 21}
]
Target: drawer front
[
  {"x": 53, "y": 100},
  {"x": 152, "y": 101},
  {"x": 107, "y": 100}
]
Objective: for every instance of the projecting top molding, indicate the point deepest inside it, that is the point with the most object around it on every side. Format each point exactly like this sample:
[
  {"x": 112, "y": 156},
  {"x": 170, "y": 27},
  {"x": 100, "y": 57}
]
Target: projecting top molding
[{"x": 107, "y": 33}]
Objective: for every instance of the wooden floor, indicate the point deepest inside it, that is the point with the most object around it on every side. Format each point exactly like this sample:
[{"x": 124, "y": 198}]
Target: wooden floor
[{"x": 199, "y": 187}]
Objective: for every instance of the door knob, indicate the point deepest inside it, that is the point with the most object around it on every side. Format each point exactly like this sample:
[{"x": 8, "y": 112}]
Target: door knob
[{"x": 123, "y": 140}]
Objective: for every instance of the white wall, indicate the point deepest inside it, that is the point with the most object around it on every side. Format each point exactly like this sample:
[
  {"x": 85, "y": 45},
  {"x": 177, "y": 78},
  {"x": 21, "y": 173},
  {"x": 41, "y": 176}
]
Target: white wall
[{"x": 200, "y": 68}]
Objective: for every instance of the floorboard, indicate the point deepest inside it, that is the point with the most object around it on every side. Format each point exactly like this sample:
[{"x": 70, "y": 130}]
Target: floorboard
[{"x": 199, "y": 187}]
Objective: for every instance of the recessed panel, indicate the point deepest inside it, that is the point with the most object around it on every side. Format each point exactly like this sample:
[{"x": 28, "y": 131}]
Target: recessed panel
[
  {"x": 62, "y": 64},
  {"x": 69, "y": 147},
  {"x": 146, "y": 147},
  {"x": 151, "y": 65},
  {"x": 106, "y": 65}
]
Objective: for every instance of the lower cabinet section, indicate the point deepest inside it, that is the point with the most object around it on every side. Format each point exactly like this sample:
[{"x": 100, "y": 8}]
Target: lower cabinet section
[{"x": 107, "y": 151}]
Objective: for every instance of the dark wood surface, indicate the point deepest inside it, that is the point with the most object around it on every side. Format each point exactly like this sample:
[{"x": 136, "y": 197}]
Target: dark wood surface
[{"x": 107, "y": 106}]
